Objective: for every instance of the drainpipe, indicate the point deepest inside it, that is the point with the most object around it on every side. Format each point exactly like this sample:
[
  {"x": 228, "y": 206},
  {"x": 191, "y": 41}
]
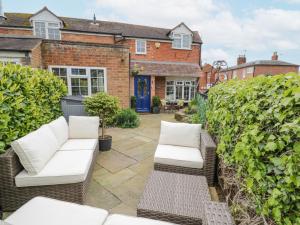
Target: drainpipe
[{"x": 129, "y": 80}]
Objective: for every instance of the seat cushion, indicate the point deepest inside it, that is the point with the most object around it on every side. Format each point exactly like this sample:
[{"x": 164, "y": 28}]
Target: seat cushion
[
  {"x": 83, "y": 127},
  {"x": 79, "y": 144},
  {"x": 178, "y": 156},
  {"x": 36, "y": 149},
  {"x": 60, "y": 130},
  {"x": 45, "y": 211},
  {"x": 117, "y": 219},
  {"x": 181, "y": 134},
  {"x": 65, "y": 167}
]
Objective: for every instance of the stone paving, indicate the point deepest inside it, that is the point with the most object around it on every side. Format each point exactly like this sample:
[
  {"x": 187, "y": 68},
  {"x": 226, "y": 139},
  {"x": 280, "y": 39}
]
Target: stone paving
[{"x": 120, "y": 174}]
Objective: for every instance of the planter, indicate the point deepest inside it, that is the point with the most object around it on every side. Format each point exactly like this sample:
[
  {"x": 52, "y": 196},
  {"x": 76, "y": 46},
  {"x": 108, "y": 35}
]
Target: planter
[
  {"x": 105, "y": 143},
  {"x": 156, "y": 110}
]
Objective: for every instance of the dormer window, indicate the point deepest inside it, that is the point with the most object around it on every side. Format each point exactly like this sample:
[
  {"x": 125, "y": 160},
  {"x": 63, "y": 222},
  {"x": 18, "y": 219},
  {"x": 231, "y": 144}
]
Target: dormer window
[
  {"x": 47, "y": 30},
  {"x": 181, "y": 41},
  {"x": 46, "y": 24}
]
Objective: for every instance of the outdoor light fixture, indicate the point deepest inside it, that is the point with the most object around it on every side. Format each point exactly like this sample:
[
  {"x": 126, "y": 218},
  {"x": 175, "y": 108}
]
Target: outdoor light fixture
[{"x": 157, "y": 44}]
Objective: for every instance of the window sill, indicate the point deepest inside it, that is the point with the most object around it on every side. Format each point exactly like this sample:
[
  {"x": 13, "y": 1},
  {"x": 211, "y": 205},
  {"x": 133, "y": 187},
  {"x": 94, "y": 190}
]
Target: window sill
[
  {"x": 141, "y": 53},
  {"x": 189, "y": 49}
]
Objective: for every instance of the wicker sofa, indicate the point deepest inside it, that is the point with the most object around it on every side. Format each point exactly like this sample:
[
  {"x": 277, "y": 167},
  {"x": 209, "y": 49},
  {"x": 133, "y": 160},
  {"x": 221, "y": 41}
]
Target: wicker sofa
[
  {"x": 54, "y": 161},
  {"x": 47, "y": 211},
  {"x": 185, "y": 148}
]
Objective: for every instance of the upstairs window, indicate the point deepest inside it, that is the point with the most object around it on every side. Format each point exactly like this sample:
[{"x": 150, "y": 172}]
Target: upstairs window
[
  {"x": 181, "y": 41},
  {"x": 47, "y": 30},
  {"x": 140, "y": 46}
]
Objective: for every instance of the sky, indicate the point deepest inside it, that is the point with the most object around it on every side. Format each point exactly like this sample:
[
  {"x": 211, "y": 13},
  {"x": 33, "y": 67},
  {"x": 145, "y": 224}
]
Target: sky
[{"x": 228, "y": 28}]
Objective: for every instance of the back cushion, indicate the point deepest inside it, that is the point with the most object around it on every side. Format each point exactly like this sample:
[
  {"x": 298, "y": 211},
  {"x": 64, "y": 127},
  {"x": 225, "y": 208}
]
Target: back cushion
[
  {"x": 83, "y": 127},
  {"x": 36, "y": 149},
  {"x": 181, "y": 134},
  {"x": 60, "y": 130}
]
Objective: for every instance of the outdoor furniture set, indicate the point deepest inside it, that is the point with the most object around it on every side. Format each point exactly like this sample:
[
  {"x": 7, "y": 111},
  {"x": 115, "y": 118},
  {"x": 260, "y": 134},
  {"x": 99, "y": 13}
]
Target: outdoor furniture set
[{"x": 56, "y": 162}]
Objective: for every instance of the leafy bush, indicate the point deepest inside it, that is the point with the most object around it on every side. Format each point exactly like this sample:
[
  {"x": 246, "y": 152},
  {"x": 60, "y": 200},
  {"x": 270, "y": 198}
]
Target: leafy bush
[
  {"x": 133, "y": 102},
  {"x": 127, "y": 118},
  {"x": 103, "y": 105},
  {"x": 257, "y": 124},
  {"x": 198, "y": 110},
  {"x": 29, "y": 98},
  {"x": 156, "y": 101}
]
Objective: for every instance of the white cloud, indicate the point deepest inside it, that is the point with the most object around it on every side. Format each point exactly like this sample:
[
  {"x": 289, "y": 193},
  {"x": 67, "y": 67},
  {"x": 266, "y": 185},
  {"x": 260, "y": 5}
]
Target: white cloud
[{"x": 223, "y": 33}]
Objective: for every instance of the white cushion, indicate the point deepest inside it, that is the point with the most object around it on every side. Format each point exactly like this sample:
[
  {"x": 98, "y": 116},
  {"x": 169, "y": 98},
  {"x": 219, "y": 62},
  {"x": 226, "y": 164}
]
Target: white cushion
[
  {"x": 181, "y": 134},
  {"x": 117, "y": 219},
  {"x": 79, "y": 144},
  {"x": 45, "y": 211},
  {"x": 65, "y": 167},
  {"x": 178, "y": 156},
  {"x": 36, "y": 149},
  {"x": 60, "y": 130},
  {"x": 83, "y": 127}
]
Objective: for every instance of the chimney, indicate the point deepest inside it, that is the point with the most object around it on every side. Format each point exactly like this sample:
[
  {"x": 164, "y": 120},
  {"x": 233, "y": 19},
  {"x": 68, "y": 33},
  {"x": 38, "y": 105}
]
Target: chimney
[
  {"x": 241, "y": 59},
  {"x": 2, "y": 17},
  {"x": 275, "y": 56}
]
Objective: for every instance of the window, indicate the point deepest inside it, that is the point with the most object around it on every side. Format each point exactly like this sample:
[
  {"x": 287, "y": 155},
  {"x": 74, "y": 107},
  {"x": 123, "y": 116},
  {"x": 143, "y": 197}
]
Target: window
[
  {"x": 140, "y": 46},
  {"x": 244, "y": 73},
  {"x": 250, "y": 70},
  {"x": 47, "y": 30},
  {"x": 234, "y": 74},
  {"x": 82, "y": 81},
  {"x": 177, "y": 90},
  {"x": 6, "y": 61},
  {"x": 61, "y": 73},
  {"x": 181, "y": 41}
]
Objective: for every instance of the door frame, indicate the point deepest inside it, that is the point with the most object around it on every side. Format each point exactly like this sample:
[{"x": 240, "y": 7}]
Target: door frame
[{"x": 135, "y": 93}]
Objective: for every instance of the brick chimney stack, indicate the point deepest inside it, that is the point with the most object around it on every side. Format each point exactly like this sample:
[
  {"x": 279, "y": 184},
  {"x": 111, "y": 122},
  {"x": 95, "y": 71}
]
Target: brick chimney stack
[
  {"x": 241, "y": 59},
  {"x": 275, "y": 56}
]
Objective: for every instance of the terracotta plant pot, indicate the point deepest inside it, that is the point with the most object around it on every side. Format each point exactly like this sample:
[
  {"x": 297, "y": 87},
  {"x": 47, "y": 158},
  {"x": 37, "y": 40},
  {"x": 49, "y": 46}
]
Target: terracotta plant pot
[{"x": 105, "y": 143}]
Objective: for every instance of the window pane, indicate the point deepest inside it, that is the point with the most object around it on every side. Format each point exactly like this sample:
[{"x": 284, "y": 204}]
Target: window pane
[
  {"x": 176, "y": 43},
  {"x": 84, "y": 91},
  {"x": 178, "y": 92},
  {"x": 186, "y": 41},
  {"x": 61, "y": 73},
  {"x": 53, "y": 33},
  {"x": 75, "y": 91},
  {"x": 40, "y": 29},
  {"x": 186, "y": 93},
  {"x": 141, "y": 46},
  {"x": 76, "y": 71},
  {"x": 192, "y": 93},
  {"x": 170, "y": 82},
  {"x": 97, "y": 80},
  {"x": 170, "y": 93}
]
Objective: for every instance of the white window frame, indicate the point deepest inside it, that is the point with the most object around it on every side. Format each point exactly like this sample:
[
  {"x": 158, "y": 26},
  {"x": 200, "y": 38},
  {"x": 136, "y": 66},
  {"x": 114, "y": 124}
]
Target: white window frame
[
  {"x": 136, "y": 47},
  {"x": 46, "y": 28},
  {"x": 250, "y": 70},
  {"x": 88, "y": 76},
  {"x": 181, "y": 83},
  {"x": 181, "y": 41}
]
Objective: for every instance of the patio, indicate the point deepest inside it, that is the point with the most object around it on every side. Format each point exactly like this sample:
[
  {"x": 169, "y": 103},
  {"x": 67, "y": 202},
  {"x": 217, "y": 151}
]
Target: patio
[{"x": 120, "y": 174}]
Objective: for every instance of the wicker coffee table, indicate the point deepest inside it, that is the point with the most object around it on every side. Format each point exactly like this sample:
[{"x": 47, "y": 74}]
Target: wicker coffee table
[{"x": 176, "y": 198}]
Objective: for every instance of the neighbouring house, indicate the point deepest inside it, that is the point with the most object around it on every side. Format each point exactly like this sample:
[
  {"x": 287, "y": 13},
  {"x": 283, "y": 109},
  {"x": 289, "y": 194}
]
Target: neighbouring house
[
  {"x": 244, "y": 70},
  {"x": 92, "y": 56}
]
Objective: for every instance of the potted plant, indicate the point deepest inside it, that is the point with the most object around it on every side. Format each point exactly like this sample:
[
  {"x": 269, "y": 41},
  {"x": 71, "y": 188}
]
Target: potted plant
[
  {"x": 105, "y": 106},
  {"x": 156, "y": 104}
]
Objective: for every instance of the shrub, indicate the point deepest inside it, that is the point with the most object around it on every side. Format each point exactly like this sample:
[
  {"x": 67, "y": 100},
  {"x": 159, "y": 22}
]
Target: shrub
[
  {"x": 198, "y": 110},
  {"x": 257, "y": 124},
  {"x": 29, "y": 98},
  {"x": 103, "y": 105},
  {"x": 156, "y": 101},
  {"x": 127, "y": 118},
  {"x": 133, "y": 102}
]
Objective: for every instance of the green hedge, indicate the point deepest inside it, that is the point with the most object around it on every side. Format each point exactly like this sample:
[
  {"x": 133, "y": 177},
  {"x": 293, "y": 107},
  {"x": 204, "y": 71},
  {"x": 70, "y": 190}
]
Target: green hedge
[
  {"x": 28, "y": 99},
  {"x": 257, "y": 124}
]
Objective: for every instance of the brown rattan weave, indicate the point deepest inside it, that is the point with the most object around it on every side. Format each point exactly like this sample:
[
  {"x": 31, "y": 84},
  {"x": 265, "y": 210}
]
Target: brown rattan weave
[
  {"x": 208, "y": 152},
  {"x": 174, "y": 197},
  {"x": 13, "y": 197}
]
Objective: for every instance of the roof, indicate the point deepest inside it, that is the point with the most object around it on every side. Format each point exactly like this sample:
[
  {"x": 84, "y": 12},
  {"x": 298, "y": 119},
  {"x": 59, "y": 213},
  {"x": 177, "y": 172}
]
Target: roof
[
  {"x": 262, "y": 63},
  {"x": 18, "y": 43},
  {"x": 156, "y": 68},
  {"x": 102, "y": 27}
]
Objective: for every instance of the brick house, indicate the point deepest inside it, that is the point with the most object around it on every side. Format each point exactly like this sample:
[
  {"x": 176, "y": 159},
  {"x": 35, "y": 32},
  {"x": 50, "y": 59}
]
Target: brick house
[
  {"x": 92, "y": 56},
  {"x": 244, "y": 70}
]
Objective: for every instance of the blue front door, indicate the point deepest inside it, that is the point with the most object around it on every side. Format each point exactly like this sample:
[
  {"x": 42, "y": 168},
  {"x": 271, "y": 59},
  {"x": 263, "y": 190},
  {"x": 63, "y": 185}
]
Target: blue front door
[{"x": 142, "y": 93}]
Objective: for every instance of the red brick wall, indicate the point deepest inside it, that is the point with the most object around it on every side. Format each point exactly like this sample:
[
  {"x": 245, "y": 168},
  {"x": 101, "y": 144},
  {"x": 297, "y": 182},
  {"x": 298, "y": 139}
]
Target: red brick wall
[
  {"x": 160, "y": 87},
  {"x": 36, "y": 57},
  {"x": 87, "y": 38},
  {"x": 115, "y": 59},
  {"x": 273, "y": 70},
  {"x": 15, "y": 31},
  {"x": 165, "y": 52}
]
